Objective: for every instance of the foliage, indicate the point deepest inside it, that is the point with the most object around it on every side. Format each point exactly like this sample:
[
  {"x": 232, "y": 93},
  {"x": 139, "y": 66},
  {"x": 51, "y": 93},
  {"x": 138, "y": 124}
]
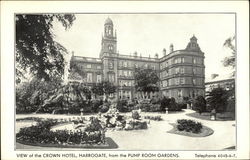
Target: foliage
[
  {"x": 217, "y": 99},
  {"x": 173, "y": 106},
  {"x": 93, "y": 133},
  {"x": 155, "y": 118},
  {"x": 30, "y": 95},
  {"x": 136, "y": 124},
  {"x": 189, "y": 126},
  {"x": 165, "y": 102},
  {"x": 36, "y": 50},
  {"x": 104, "y": 87},
  {"x": 135, "y": 114},
  {"x": 122, "y": 106},
  {"x": 146, "y": 80},
  {"x": 103, "y": 108},
  {"x": 230, "y": 61},
  {"x": 200, "y": 104}
]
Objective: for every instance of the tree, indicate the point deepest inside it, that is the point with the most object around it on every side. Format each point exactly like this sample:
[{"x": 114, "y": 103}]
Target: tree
[
  {"x": 108, "y": 88},
  {"x": 36, "y": 50},
  {"x": 217, "y": 99},
  {"x": 146, "y": 80},
  {"x": 200, "y": 104},
  {"x": 230, "y": 61},
  {"x": 103, "y": 88},
  {"x": 97, "y": 89}
]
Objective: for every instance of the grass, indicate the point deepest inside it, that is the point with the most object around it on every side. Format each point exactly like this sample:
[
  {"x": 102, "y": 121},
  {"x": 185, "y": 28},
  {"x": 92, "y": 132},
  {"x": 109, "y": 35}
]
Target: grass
[
  {"x": 205, "y": 131},
  {"x": 206, "y": 116}
]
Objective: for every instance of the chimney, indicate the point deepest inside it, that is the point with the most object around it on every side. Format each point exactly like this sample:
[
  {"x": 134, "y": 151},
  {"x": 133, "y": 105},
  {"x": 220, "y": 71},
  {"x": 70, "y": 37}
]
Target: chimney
[
  {"x": 164, "y": 52},
  {"x": 156, "y": 55},
  {"x": 171, "y": 48},
  {"x": 135, "y": 54}
]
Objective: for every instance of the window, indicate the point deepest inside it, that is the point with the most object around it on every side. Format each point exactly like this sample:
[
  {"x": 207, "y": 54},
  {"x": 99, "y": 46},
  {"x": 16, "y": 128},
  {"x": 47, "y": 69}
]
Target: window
[
  {"x": 182, "y": 80},
  {"x": 194, "y": 81},
  {"x": 110, "y": 47},
  {"x": 89, "y": 77},
  {"x": 166, "y": 65},
  {"x": 160, "y": 66},
  {"x": 167, "y": 72},
  {"x": 179, "y": 60},
  {"x": 179, "y": 93},
  {"x": 194, "y": 70},
  {"x": 175, "y": 60},
  {"x": 125, "y": 64},
  {"x": 98, "y": 78},
  {"x": 177, "y": 81},
  {"x": 88, "y": 65},
  {"x": 182, "y": 60},
  {"x": 194, "y": 61},
  {"x": 177, "y": 70},
  {"x": 182, "y": 70},
  {"x": 120, "y": 72},
  {"x": 111, "y": 65},
  {"x": 99, "y": 67},
  {"x": 111, "y": 78},
  {"x": 125, "y": 73}
]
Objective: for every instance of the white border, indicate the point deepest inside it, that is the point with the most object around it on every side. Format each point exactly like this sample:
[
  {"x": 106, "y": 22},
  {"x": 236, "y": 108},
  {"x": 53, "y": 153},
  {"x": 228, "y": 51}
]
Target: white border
[{"x": 8, "y": 8}]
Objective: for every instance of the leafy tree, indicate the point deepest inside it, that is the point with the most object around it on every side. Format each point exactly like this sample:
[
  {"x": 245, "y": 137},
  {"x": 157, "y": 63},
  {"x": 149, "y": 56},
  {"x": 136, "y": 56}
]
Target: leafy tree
[
  {"x": 108, "y": 88},
  {"x": 146, "y": 80},
  {"x": 230, "y": 61},
  {"x": 217, "y": 99},
  {"x": 103, "y": 88},
  {"x": 36, "y": 50},
  {"x": 97, "y": 89},
  {"x": 200, "y": 104}
]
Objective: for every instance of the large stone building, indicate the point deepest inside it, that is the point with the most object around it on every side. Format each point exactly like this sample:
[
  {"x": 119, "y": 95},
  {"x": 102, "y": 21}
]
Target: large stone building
[{"x": 181, "y": 72}]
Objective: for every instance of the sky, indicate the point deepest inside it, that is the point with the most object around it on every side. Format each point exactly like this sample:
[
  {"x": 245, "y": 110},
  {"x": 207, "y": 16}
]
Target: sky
[{"x": 150, "y": 33}]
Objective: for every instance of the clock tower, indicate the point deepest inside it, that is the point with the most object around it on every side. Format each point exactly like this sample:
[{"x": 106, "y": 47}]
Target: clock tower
[{"x": 109, "y": 41}]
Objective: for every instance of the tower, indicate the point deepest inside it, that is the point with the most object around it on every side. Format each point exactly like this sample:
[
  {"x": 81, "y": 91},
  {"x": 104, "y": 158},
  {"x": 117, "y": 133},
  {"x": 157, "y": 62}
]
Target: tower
[
  {"x": 109, "y": 41},
  {"x": 193, "y": 45}
]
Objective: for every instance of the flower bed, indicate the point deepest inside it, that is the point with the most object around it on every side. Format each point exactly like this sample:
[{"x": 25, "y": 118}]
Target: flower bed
[
  {"x": 154, "y": 118},
  {"x": 190, "y": 128},
  {"x": 94, "y": 133}
]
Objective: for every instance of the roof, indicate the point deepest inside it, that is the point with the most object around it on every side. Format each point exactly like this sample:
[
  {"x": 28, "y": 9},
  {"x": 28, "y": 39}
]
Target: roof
[
  {"x": 108, "y": 21},
  {"x": 219, "y": 78}
]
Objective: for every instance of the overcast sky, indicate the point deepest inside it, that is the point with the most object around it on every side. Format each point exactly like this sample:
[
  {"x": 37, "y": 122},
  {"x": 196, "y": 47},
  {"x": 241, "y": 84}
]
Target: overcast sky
[{"x": 150, "y": 33}]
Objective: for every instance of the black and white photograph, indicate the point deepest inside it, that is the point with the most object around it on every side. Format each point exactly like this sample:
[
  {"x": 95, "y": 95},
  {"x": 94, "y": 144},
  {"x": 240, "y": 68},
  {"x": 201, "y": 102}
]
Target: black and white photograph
[
  {"x": 125, "y": 81},
  {"x": 146, "y": 83}
]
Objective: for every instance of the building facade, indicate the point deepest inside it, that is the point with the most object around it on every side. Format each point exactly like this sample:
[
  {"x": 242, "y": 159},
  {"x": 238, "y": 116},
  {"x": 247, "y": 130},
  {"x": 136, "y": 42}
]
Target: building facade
[{"x": 181, "y": 72}]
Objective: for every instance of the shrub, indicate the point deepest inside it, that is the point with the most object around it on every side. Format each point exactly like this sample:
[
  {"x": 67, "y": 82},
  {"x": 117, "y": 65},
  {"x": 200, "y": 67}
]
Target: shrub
[
  {"x": 95, "y": 105},
  {"x": 189, "y": 126},
  {"x": 122, "y": 106},
  {"x": 103, "y": 108},
  {"x": 135, "y": 114},
  {"x": 199, "y": 104},
  {"x": 173, "y": 106},
  {"x": 155, "y": 108},
  {"x": 155, "y": 118},
  {"x": 94, "y": 133},
  {"x": 164, "y": 103}
]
